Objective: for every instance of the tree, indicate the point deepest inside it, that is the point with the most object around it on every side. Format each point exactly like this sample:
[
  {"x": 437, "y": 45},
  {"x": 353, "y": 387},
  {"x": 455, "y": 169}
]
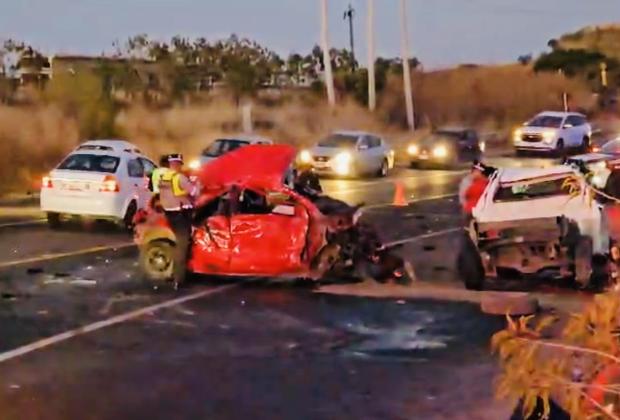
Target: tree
[
  {"x": 525, "y": 59},
  {"x": 571, "y": 62}
]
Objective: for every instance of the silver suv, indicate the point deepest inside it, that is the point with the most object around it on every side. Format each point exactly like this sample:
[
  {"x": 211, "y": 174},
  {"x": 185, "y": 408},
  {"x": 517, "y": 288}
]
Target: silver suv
[{"x": 350, "y": 153}]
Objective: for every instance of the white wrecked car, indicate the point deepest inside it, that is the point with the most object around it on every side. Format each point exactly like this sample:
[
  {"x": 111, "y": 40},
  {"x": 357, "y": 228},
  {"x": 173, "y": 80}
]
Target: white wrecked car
[{"x": 528, "y": 221}]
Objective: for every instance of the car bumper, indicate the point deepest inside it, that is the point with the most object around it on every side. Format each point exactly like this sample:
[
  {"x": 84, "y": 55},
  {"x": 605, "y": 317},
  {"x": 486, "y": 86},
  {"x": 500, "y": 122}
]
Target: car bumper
[
  {"x": 535, "y": 146},
  {"x": 105, "y": 205}
]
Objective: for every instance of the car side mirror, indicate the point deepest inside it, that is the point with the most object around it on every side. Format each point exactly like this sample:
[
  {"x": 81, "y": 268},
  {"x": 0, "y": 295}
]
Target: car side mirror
[
  {"x": 362, "y": 147},
  {"x": 284, "y": 210}
]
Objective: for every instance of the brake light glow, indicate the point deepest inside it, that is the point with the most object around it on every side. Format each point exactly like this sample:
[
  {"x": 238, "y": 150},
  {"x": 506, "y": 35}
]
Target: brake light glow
[
  {"x": 109, "y": 184},
  {"x": 46, "y": 182}
]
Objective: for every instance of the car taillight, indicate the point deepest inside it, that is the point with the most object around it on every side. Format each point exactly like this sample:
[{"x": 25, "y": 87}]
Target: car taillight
[
  {"x": 46, "y": 182},
  {"x": 109, "y": 184}
]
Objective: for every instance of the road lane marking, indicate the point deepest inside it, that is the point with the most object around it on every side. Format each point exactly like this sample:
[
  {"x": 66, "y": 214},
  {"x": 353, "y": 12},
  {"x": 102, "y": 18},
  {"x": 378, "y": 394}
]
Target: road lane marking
[
  {"x": 49, "y": 257},
  {"x": 118, "y": 319},
  {"x": 23, "y": 223},
  {"x": 424, "y": 236}
]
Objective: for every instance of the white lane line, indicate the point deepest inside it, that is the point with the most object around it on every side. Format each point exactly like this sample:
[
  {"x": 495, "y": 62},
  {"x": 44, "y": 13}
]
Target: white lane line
[
  {"x": 58, "y": 338},
  {"x": 415, "y": 200},
  {"x": 49, "y": 257},
  {"x": 23, "y": 223},
  {"x": 425, "y": 236}
]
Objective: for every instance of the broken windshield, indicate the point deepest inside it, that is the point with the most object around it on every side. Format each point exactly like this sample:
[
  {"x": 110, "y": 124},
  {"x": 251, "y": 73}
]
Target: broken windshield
[{"x": 524, "y": 191}]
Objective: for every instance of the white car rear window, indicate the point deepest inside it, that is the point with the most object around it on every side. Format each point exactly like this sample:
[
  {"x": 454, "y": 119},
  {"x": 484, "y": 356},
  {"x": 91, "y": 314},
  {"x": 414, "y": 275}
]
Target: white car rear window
[
  {"x": 90, "y": 163},
  {"x": 222, "y": 146},
  {"x": 531, "y": 191}
]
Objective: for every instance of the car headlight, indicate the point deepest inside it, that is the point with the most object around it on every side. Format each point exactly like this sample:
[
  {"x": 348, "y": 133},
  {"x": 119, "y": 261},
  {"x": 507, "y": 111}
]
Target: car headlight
[
  {"x": 548, "y": 136},
  {"x": 413, "y": 149},
  {"x": 305, "y": 156},
  {"x": 194, "y": 164},
  {"x": 482, "y": 145},
  {"x": 516, "y": 136},
  {"x": 598, "y": 166},
  {"x": 342, "y": 163},
  {"x": 440, "y": 152}
]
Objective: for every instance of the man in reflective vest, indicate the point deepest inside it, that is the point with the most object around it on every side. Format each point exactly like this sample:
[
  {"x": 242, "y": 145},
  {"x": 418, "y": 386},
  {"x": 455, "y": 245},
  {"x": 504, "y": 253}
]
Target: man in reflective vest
[
  {"x": 158, "y": 173},
  {"x": 176, "y": 194}
]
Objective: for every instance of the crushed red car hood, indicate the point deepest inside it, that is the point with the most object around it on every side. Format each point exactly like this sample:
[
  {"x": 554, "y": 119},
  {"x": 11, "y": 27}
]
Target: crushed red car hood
[{"x": 258, "y": 166}]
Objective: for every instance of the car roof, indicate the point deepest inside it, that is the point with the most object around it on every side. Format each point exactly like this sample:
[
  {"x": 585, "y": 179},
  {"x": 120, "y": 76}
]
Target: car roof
[
  {"x": 108, "y": 145},
  {"x": 560, "y": 114},
  {"x": 251, "y": 138},
  {"x": 510, "y": 175}
]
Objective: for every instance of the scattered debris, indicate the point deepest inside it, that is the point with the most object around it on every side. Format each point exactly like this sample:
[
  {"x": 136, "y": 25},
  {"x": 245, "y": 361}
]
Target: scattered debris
[
  {"x": 83, "y": 282},
  {"x": 61, "y": 275},
  {"x": 429, "y": 247},
  {"x": 43, "y": 312},
  {"x": 8, "y": 296},
  {"x": 14, "y": 386},
  {"x": 401, "y": 302},
  {"x": 34, "y": 270},
  {"x": 53, "y": 281}
]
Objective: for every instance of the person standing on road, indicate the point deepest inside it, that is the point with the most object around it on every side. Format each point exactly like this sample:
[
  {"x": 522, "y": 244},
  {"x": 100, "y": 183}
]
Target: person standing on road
[
  {"x": 176, "y": 194},
  {"x": 473, "y": 185},
  {"x": 158, "y": 173},
  {"x": 307, "y": 182}
]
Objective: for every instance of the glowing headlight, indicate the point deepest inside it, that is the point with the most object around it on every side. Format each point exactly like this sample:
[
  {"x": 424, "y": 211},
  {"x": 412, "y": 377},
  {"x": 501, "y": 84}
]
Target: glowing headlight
[
  {"x": 440, "y": 152},
  {"x": 598, "y": 166},
  {"x": 482, "y": 145},
  {"x": 516, "y": 136},
  {"x": 305, "y": 156},
  {"x": 413, "y": 149},
  {"x": 548, "y": 136},
  {"x": 342, "y": 163},
  {"x": 194, "y": 164}
]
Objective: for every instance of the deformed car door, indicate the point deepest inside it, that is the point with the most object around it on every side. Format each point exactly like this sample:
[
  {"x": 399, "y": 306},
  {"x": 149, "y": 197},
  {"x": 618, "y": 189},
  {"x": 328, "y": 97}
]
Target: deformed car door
[
  {"x": 211, "y": 251},
  {"x": 269, "y": 243}
]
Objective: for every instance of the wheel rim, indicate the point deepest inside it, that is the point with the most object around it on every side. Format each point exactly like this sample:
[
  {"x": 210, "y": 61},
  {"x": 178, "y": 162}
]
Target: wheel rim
[{"x": 159, "y": 260}]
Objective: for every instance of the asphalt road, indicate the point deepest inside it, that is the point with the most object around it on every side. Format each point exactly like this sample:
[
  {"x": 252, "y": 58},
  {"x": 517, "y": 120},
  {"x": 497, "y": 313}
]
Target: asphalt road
[{"x": 84, "y": 338}]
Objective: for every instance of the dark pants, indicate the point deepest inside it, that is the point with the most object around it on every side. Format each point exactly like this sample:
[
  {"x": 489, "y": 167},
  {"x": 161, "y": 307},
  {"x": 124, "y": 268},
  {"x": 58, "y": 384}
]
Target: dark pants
[{"x": 181, "y": 224}]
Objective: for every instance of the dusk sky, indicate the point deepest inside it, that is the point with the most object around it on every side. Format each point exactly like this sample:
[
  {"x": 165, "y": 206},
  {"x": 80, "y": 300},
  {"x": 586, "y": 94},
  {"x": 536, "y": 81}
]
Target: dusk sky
[{"x": 442, "y": 32}]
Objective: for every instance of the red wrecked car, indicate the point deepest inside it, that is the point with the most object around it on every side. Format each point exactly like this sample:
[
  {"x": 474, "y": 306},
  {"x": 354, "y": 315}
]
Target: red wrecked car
[{"x": 247, "y": 222}]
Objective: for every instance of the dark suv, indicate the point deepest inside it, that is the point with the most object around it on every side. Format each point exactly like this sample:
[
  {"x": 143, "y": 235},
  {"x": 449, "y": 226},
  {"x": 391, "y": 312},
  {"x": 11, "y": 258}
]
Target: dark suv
[{"x": 446, "y": 147}]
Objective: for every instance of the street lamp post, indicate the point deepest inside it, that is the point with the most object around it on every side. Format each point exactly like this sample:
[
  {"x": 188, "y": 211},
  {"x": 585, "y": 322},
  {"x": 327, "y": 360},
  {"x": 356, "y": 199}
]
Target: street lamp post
[
  {"x": 406, "y": 68},
  {"x": 327, "y": 63}
]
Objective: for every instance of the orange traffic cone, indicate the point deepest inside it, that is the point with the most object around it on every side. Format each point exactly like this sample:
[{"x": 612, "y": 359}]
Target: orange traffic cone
[{"x": 399, "y": 195}]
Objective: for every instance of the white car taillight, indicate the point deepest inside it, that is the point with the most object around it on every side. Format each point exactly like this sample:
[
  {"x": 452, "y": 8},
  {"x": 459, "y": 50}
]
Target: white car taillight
[
  {"x": 109, "y": 184},
  {"x": 46, "y": 182}
]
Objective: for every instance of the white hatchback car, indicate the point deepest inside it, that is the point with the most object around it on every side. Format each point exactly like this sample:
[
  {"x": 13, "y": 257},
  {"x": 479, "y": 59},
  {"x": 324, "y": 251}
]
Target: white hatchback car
[
  {"x": 102, "y": 179},
  {"x": 553, "y": 132}
]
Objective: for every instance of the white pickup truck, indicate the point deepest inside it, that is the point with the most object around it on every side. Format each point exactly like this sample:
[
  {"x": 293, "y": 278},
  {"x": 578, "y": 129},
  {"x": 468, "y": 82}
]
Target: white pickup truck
[{"x": 528, "y": 221}]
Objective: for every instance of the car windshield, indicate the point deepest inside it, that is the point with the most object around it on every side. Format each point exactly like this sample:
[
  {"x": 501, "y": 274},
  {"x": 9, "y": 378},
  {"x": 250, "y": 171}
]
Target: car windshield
[
  {"x": 90, "y": 163},
  {"x": 339, "y": 140},
  {"x": 523, "y": 191},
  {"x": 222, "y": 146},
  {"x": 612, "y": 146},
  {"x": 546, "y": 121}
]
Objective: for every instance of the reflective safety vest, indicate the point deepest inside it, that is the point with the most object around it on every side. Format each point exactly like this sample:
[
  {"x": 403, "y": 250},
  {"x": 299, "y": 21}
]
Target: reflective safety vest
[
  {"x": 156, "y": 176},
  {"x": 172, "y": 195}
]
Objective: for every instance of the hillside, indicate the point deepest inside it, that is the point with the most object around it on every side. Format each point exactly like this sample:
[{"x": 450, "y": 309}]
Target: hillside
[{"x": 604, "y": 39}]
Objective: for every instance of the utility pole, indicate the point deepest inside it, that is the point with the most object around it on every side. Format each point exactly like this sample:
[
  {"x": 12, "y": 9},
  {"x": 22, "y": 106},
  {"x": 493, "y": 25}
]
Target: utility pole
[
  {"x": 327, "y": 62},
  {"x": 604, "y": 74},
  {"x": 372, "y": 95},
  {"x": 348, "y": 14},
  {"x": 404, "y": 35}
]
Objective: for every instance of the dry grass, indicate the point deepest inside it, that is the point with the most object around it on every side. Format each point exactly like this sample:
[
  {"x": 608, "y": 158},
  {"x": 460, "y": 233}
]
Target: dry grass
[
  {"x": 32, "y": 141},
  {"x": 491, "y": 96}
]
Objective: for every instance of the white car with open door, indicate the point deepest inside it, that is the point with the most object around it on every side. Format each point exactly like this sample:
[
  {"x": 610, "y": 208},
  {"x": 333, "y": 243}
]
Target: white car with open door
[
  {"x": 100, "y": 179},
  {"x": 529, "y": 221}
]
